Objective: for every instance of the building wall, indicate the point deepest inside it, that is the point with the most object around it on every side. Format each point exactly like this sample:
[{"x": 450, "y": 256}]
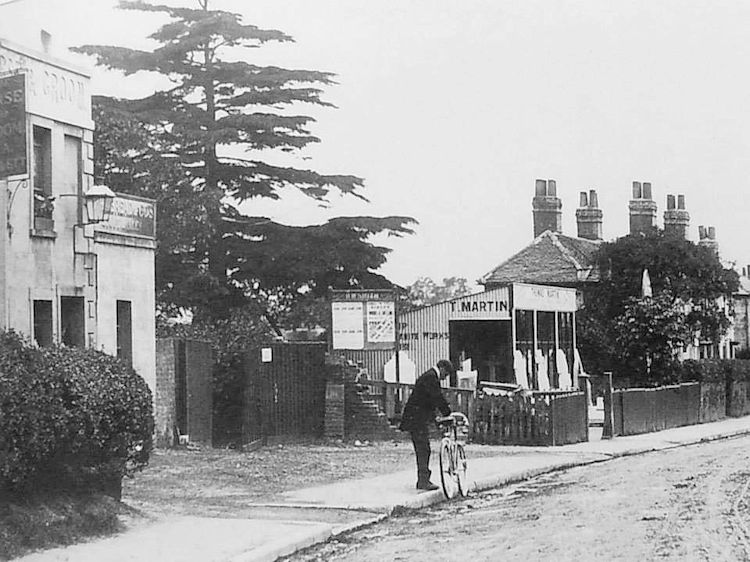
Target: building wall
[
  {"x": 49, "y": 258},
  {"x": 126, "y": 273}
]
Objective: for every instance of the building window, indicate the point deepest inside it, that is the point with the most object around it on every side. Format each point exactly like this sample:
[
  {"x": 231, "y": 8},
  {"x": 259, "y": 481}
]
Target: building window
[
  {"x": 43, "y": 323},
  {"x": 72, "y": 313},
  {"x": 124, "y": 331},
  {"x": 73, "y": 171},
  {"x": 43, "y": 205}
]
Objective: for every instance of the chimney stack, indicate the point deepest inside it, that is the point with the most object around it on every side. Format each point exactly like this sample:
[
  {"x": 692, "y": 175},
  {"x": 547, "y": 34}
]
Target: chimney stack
[
  {"x": 547, "y": 207},
  {"x": 642, "y": 209},
  {"x": 676, "y": 218},
  {"x": 589, "y": 216},
  {"x": 707, "y": 238}
]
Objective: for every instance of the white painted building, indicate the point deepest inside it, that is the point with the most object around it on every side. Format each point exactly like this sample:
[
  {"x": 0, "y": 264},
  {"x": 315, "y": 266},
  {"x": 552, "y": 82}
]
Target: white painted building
[{"x": 65, "y": 278}]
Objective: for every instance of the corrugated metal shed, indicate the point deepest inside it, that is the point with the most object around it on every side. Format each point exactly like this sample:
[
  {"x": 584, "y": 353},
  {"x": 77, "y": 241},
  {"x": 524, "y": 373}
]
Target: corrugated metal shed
[{"x": 424, "y": 332}]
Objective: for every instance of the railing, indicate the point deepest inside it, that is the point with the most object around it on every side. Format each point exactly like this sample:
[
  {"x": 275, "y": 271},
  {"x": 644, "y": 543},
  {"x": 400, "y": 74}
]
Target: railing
[{"x": 391, "y": 398}]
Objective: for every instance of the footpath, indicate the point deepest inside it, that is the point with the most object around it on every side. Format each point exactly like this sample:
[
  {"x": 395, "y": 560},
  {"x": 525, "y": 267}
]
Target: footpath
[{"x": 313, "y": 515}]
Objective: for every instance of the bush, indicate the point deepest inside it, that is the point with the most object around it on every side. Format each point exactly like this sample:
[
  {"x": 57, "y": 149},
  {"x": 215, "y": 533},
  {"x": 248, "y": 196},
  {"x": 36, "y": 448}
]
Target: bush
[
  {"x": 69, "y": 418},
  {"x": 714, "y": 370}
]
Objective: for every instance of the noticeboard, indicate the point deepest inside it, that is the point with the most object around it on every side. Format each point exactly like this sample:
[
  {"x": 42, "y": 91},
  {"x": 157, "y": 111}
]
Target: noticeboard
[
  {"x": 363, "y": 319},
  {"x": 13, "y": 145}
]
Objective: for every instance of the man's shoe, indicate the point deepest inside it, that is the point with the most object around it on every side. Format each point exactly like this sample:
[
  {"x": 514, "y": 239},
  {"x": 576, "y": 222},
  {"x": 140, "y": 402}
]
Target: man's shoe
[{"x": 426, "y": 486}]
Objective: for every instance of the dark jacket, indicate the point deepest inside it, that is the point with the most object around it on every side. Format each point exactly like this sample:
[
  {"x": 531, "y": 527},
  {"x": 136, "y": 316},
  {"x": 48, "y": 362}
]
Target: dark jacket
[{"x": 425, "y": 398}]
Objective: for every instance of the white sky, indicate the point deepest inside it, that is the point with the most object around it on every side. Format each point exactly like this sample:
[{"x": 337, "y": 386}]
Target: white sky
[{"x": 451, "y": 110}]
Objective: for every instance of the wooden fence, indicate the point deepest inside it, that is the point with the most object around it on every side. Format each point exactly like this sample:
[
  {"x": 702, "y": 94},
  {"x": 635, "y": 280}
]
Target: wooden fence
[
  {"x": 285, "y": 391},
  {"x": 643, "y": 410},
  {"x": 537, "y": 418}
]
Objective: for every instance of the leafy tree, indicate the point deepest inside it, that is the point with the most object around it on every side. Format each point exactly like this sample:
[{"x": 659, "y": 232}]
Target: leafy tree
[
  {"x": 687, "y": 279},
  {"x": 424, "y": 291},
  {"x": 204, "y": 147},
  {"x": 649, "y": 333}
]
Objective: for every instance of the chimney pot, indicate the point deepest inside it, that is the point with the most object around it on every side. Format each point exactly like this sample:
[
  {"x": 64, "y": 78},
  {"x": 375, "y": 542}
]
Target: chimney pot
[
  {"x": 593, "y": 199},
  {"x": 670, "y": 202},
  {"x": 552, "y": 188},
  {"x": 541, "y": 188},
  {"x": 647, "y": 190},
  {"x": 680, "y": 201},
  {"x": 701, "y": 232},
  {"x": 584, "y": 200},
  {"x": 637, "y": 190},
  {"x": 712, "y": 233},
  {"x": 46, "y": 38}
]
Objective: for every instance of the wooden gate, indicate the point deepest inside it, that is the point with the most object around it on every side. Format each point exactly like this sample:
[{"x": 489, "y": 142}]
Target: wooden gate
[{"x": 285, "y": 391}]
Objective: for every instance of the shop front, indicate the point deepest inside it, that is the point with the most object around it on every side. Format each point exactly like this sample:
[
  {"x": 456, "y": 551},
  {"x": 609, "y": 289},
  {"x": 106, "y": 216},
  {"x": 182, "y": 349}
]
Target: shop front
[{"x": 519, "y": 333}]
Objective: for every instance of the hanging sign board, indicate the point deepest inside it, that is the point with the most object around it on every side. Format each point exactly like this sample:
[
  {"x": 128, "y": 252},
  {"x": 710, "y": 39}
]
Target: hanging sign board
[
  {"x": 363, "y": 319},
  {"x": 13, "y": 158},
  {"x": 131, "y": 216}
]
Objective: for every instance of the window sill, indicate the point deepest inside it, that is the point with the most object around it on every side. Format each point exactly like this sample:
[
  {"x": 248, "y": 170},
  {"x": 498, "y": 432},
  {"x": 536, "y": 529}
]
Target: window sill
[{"x": 43, "y": 233}]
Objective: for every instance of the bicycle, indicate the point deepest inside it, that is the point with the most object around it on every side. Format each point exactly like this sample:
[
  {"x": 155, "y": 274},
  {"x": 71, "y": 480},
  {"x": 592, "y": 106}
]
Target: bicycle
[{"x": 452, "y": 455}]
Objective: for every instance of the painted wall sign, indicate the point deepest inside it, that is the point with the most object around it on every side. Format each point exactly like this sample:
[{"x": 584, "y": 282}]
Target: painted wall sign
[
  {"x": 543, "y": 297},
  {"x": 13, "y": 157},
  {"x": 131, "y": 216},
  {"x": 54, "y": 91}
]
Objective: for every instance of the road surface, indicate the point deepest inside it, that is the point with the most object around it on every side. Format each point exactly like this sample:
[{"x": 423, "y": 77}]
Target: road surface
[{"x": 687, "y": 503}]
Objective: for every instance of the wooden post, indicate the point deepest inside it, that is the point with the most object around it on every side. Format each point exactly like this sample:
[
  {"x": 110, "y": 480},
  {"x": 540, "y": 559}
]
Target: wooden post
[
  {"x": 608, "y": 431},
  {"x": 585, "y": 385}
]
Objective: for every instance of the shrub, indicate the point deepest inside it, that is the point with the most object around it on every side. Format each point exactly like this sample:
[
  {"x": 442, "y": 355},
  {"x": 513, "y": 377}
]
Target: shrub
[{"x": 69, "y": 417}]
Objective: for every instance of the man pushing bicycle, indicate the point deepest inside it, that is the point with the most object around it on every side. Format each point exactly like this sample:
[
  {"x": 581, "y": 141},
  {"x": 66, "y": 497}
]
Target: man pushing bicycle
[{"x": 419, "y": 413}]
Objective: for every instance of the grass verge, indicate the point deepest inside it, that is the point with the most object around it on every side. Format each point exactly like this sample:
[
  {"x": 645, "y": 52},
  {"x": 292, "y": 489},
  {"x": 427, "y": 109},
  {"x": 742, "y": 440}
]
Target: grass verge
[{"x": 31, "y": 523}]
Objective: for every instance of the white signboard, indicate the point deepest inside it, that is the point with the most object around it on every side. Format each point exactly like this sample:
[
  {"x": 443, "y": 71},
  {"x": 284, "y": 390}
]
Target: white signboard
[
  {"x": 490, "y": 305},
  {"x": 381, "y": 327},
  {"x": 54, "y": 90},
  {"x": 543, "y": 297},
  {"x": 348, "y": 325}
]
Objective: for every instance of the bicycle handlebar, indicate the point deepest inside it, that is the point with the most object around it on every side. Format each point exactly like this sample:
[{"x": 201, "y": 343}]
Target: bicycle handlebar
[{"x": 454, "y": 417}]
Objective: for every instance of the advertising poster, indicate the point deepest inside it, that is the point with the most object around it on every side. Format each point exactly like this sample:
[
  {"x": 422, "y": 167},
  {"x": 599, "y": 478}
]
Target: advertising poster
[
  {"x": 348, "y": 325},
  {"x": 381, "y": 326}
]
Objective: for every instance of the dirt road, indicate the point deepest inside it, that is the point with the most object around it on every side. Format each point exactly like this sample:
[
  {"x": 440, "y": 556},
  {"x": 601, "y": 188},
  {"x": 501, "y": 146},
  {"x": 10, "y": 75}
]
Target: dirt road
[{"x": 689, "y": 503}]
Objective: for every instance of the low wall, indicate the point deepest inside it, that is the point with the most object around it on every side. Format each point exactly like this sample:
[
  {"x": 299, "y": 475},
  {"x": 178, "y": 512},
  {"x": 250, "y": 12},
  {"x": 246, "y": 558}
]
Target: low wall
[{"x": 643, "y": 410}]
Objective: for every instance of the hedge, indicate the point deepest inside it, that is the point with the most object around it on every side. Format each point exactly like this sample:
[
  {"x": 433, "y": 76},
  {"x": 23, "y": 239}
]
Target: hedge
[
  {"x": 714, "y": 370},
  {"x": 70, "y": 418}
]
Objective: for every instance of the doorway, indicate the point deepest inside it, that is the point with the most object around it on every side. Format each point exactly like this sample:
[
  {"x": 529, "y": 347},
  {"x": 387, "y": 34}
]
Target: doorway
[
  {"x": 488, "y": 343},
  {"x": 72, "y": 324}
]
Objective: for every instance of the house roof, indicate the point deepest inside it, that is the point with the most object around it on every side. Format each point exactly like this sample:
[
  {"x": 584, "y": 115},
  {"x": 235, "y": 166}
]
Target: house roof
[{"x": 551, "y": 259}]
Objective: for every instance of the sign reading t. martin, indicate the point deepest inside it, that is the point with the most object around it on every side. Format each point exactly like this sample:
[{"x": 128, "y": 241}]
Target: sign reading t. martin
[{"x": 13, "y": 160}]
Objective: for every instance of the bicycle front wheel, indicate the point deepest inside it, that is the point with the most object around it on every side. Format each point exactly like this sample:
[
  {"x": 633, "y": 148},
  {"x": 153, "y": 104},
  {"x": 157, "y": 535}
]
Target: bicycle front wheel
[
  {"x": 447, "y": 478},
  {"x": 460, "y": 463}
]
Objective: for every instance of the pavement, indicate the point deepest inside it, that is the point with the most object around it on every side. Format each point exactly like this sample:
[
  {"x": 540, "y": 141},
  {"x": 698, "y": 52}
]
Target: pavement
[{"x": 309, "y": 516}]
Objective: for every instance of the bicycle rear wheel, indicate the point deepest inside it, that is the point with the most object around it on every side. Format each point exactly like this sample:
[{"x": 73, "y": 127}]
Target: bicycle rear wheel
[
  {"x": 460, "y": 464},
  {"x": 447, "y": 479}
]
